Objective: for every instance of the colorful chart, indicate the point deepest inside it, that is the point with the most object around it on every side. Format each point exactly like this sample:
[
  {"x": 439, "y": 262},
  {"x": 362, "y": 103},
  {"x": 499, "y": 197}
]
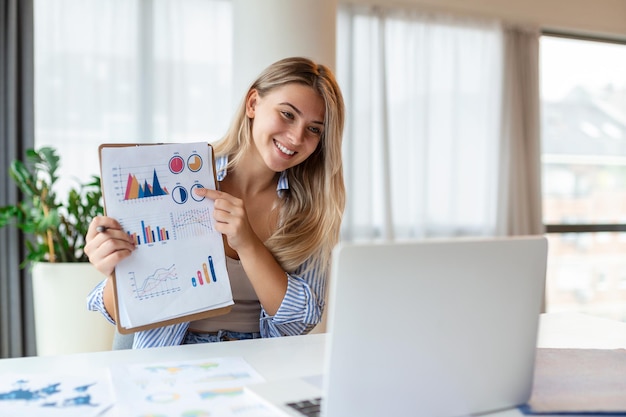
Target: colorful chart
[
  {"x": 162, "y": 281},
  {"x": 41, "y": 394},
  {"x": 191, "y": 223},
  {"x": 193, "y": 194},
  {"x": 135, "y": 190},
  {"x": 135, "y": 238},
  {"x": 194, "y": 162},
  {"x": 206, "y": 275},
  {"x": 178, "y": 368},
  {"x": 223, "y": 392},
  {"x": 177, "y": 164},
  {"x": 163, "y": 397},
  {"x": 195, "y": 388},
  {"x": 149, "y": 234},
  {"x": 180, "y": 194},
  {"x": 212, "y": 269}
]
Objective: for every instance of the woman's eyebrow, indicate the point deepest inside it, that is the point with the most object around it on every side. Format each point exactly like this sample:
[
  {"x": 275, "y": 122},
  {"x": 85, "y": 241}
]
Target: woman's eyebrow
[{"x": 297, "y": 110}]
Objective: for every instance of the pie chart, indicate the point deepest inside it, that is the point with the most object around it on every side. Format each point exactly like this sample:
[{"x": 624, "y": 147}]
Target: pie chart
[
  {"x": 194, "y": 162},
  {"x": 193, "y": 195},
  {"x": 180, "y": 194},
  {"x": 177, "y": 164}
]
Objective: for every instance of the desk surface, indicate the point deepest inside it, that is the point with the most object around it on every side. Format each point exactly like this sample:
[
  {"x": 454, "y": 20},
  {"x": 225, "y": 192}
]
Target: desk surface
[
  {"x": 297, "y": 356},
  {"x": 571, "y": 330},
  {"x": 274, "y": 358}
]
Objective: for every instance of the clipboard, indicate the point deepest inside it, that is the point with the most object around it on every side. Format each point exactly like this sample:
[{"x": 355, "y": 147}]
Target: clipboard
[{"x": 128, "y": 197}]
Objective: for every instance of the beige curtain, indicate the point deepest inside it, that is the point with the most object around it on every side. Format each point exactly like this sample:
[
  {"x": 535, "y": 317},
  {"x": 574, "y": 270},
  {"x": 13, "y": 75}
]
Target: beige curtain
[{"x": 519, "y": 196}]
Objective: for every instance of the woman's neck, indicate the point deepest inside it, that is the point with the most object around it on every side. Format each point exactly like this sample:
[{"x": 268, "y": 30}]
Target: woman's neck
[{"x": 250, "y": 177}]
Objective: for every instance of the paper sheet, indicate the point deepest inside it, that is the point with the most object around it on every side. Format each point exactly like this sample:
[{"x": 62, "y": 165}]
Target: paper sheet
[
  {"x": 55, "y": 395},
  {"x": 210, "y": 387},
  {"x": 179, "y": 266}
]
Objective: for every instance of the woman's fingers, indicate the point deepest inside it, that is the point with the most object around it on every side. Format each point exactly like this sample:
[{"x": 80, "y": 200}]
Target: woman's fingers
[
  {"x": 231, "y": 218},
  {"x": 107, "y": 247}
]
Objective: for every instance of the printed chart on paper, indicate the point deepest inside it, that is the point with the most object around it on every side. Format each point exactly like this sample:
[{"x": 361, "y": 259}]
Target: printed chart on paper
[{"x": 179, "y": 264}]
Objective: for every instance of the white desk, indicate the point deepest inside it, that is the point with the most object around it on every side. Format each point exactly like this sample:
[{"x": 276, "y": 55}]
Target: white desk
[
  {"x": 275, "y": 358},
  {"x": 569, "y": 330},
  {"x": 298, "y": 356}
]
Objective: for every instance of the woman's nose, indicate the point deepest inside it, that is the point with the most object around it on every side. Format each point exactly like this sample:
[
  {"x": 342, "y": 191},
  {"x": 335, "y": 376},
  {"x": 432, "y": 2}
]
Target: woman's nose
[{"x": 296, "y": 134}]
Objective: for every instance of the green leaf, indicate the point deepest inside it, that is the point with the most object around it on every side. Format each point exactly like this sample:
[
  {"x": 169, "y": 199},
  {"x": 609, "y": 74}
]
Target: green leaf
[
  {"x": 39, "y": 214},
  {"x": 23, "y": 178}
]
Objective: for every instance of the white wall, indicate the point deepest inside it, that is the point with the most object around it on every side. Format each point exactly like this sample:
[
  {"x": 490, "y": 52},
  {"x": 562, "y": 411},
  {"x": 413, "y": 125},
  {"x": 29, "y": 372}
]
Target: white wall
[
  {"x": 267, "y": 30},
  {"x": 596, "y": 17}
]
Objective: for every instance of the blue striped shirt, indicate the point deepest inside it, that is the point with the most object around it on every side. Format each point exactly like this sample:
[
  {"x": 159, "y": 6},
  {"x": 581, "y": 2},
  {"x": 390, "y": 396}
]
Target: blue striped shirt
[{"x": 299, "y": 312}]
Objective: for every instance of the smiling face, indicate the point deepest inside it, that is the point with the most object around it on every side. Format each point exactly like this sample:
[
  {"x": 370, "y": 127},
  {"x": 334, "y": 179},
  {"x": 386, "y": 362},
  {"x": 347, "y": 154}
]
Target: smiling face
[{"x": 287, "y": 125}]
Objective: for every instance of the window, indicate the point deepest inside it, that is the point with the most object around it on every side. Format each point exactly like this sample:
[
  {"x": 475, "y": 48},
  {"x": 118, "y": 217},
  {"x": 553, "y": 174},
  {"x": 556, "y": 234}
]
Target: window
[
  {"x": 129, "y": 71},
  {"x": 422, "y": 138},
  {"x": 583, "y": 99}
]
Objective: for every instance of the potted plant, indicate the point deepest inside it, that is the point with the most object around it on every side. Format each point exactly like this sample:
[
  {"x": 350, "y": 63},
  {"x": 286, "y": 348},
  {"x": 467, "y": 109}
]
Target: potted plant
[{"x": 55, "y": 232}]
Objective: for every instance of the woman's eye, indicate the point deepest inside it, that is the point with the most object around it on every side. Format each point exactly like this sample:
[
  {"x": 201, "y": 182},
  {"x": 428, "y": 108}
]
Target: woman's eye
[
  {"x": 316, "y": 130},
  {"x": 287, "y": 115}
]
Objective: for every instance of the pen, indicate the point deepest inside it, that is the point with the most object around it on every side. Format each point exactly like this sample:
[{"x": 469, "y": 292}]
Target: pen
[{"x": 101, "y": 229}]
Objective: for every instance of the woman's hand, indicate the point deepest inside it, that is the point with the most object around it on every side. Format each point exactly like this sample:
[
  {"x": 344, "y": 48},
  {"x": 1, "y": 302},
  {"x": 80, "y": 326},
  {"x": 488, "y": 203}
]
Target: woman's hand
[
  {"x": 265, "y": 274},
  {"x": 231, "y": 218},
  {"x": 106, "y": 248}
]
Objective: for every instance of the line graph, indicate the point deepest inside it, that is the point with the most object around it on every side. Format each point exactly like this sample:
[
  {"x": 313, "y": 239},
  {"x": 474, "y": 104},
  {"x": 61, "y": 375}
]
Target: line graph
[
  {"x": 161, "y": 282},
  {"x": 191, "y": 223}
]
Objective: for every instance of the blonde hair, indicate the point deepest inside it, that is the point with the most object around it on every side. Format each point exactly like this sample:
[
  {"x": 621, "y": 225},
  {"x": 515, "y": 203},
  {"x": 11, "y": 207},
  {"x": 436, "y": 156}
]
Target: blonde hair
[{"x": 310, "y": 211}]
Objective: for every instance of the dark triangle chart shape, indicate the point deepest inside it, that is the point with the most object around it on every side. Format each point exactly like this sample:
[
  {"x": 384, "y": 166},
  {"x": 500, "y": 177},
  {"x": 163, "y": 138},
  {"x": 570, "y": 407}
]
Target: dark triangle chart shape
[
  {"x": 156, "y": 186},
  {"x": 145, "y": 190}
]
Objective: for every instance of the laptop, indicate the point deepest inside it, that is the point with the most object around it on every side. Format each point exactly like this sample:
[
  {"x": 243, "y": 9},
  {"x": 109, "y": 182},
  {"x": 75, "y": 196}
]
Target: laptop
[{"x": 436, "y": 328}]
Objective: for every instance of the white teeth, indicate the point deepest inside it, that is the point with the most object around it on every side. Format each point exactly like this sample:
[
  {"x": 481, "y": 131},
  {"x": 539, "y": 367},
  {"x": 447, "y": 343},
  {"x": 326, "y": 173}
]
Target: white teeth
[{"x": 283, "y": 149}]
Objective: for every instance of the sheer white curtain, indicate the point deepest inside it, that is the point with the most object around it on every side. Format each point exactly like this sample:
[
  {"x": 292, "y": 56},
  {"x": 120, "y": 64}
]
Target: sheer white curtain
[
  {"x": 423, "y": 145},
  {"x": 129, "y": 71}
]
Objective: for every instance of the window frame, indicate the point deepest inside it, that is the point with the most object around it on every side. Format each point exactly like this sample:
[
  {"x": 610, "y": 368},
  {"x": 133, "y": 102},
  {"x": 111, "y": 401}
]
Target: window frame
[{"x": 559, "y": 228}]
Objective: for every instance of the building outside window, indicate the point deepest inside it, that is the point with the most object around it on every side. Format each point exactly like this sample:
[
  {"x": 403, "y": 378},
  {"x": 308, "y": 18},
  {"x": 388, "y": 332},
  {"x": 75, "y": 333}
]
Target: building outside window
[{"x": 583, "y": 100}]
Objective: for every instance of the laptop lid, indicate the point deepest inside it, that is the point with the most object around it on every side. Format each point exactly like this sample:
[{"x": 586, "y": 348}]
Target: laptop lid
[{"x": 440, "y": 328}]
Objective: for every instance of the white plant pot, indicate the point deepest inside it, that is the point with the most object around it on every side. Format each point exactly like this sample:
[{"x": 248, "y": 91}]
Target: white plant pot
[{"x": 63, "y": 324}]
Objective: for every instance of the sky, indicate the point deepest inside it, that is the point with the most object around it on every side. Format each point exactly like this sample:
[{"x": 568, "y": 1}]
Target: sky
[{"x": 567, "y": 62}]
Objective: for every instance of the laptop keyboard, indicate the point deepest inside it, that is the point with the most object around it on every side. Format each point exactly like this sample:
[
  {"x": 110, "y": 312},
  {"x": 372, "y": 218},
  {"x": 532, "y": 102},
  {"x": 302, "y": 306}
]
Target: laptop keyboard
[{"x": 309, "y": 408}]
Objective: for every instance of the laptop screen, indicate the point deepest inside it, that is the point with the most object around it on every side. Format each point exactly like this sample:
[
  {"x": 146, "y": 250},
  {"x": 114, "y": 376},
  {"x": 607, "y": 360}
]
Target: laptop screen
[{"x": 442, "y": 327}]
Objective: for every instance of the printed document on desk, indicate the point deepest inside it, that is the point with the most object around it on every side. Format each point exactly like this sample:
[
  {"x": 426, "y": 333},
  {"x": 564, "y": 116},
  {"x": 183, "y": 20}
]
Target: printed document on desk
[
  {"x": 50, "y": 394},
  {"x": 204, "y": 387},
  {"x": 178, "y": 270}
]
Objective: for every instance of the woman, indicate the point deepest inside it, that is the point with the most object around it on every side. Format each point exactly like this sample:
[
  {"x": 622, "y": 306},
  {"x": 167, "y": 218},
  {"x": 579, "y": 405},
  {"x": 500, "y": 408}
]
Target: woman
[{"x": 279, "y": 205}]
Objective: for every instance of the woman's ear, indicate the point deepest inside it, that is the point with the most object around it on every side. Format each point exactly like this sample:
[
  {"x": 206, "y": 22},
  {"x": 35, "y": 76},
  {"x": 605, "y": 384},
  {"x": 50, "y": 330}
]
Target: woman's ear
[{"x": 251, "y": 101}]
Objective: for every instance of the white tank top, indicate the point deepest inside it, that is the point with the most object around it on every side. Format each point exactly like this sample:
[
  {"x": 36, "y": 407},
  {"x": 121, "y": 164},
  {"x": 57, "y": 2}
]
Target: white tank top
[{"x": 245, "y": 313}]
